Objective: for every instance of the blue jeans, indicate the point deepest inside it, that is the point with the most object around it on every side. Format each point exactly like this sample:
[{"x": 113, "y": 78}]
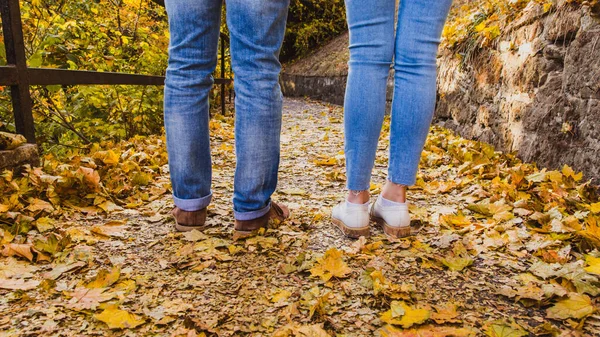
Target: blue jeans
[
  {"x": 256, "y": 32},
  {"x": 413, "y": 47}
]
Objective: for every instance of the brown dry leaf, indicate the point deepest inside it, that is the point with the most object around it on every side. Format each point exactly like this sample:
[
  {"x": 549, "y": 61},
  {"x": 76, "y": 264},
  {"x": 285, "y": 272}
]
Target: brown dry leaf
[
  {"x": 113, "y": 229},
  {"x": 331, "y": 265},
  {"x": 446, "y": 314},
  {"x": 14, "y": 268},
  {"x": 36, "y": 205},
  {"x": 298, "y": 330},
  {"x": 90, "y": 176},
  {"x": 15, "y": 249},
  {"x": 18, "y": 284},
  {"x": 426, "y": 331},
  {"x": 88, "y": 299},
  {"x": 60, "y": 269},
  {"x": 194, "y": 235}
]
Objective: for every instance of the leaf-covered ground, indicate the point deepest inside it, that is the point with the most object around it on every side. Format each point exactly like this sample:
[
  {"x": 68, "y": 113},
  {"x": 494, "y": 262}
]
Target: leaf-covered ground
[{"x": 505, "y": 249}]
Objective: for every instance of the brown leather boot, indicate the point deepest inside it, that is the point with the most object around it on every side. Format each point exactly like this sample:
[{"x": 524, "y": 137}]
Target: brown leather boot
[
  {"x": 278, "y": 212},
  {"x": 188, "y": 221}
]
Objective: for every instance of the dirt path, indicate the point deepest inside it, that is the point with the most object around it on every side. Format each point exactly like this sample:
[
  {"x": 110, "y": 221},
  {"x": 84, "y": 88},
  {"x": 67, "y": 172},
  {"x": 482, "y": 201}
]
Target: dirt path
[{"x": 167, "y": 283}]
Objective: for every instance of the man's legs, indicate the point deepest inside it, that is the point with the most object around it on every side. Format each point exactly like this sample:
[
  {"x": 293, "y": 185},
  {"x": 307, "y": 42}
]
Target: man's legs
[
  {"x": 194, "y": 27},
  {"x": 256, "y": 31}
]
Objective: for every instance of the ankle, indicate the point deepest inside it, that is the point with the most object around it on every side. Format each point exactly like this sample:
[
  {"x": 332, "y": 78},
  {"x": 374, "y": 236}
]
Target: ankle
[
  {"x": 358, "y": 197},
  {"x": 394, "y": 192}
]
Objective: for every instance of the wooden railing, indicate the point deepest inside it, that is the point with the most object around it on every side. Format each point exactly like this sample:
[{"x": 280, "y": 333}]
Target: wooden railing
[{"x": 19, "y": 77}]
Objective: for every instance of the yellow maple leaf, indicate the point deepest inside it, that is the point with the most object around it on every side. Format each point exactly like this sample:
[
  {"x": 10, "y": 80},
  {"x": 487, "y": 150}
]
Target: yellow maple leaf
[
  {"x": 595, "y": 208},
  {"x": 567, "y": 171},
  {"x": 116, "y": 318},
  {"x": 501, "y": 329},
  {"x": 109, "y": 157},
  {"x": 402, "y": 314},
  {"x": 576, "y": 306},
  {"x": 331, "y": 265},
  {"x": 105, "y": 278},
  {"x": 591, "y": 231},
  {"x": 456, "y": 220},
  {"x": 593, "y": 264},
  {"x": 281, "y": 296},
  {"x": 459, "y": 259}
]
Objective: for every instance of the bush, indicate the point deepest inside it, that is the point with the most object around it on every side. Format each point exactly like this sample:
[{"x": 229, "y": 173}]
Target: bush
[{"x": 311, "y": 23}]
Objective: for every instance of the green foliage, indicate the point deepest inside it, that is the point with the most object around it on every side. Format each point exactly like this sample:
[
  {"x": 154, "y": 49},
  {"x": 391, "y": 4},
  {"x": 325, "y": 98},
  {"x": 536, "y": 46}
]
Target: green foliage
[
  {"x": 127, "y": 36},
  {"x": 311, "y": 23}
]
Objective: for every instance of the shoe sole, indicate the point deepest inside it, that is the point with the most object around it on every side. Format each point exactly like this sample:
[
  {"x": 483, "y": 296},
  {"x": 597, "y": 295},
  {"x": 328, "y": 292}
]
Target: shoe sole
[
  {"x": 351, "y": 232},
  {"x": 395, "y": 232},
  {"x": 184, "y": 228}
]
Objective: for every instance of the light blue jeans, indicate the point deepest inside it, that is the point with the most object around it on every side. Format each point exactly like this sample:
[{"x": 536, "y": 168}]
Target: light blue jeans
[
  {"x": 256, "y": 32},
  {"x": 413, "y": 47}
]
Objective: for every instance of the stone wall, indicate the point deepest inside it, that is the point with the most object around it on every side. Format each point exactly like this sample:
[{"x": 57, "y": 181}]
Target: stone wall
[
  {"x": 24, "y": 154},
  {"x": 324, "y": 88},
  {"x": 537, "y": 92}
]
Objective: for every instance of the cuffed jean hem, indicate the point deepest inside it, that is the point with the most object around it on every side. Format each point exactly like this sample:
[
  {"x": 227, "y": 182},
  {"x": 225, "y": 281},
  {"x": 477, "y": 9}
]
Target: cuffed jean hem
[
  {"x": 191, "y": 205},
  {"x": 252, "y": 214},
  {"x": 357, "y": 188},
  {"x": 407, "y": 181}
]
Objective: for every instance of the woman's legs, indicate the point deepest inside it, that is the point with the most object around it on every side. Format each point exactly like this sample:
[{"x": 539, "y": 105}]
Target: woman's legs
[
  {"x": 371, "y": 26},
  {"x": 420, "y": 24}
]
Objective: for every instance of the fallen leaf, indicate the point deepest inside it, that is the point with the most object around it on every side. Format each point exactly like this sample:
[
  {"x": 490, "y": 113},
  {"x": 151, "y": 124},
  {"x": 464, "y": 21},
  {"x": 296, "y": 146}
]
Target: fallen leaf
[
  {"x": 501, "y": 329},
  {"x": 194, "y": 235},
  {"x": 281, "y": 296},
  {"x": 15, "y": 249},
  {"x": 119, "y": 319},
  {"x": 60, "y": 269},
  {"x": 593, "y": 264},
  {"x": 113, "y": 229},
  {"x": 576, "y": 306},
  {"x": 104, "y": 278},
  {"x": 406, "y": 316},
  {"x": 18, "y": 284},
  {"x": 331, "y": 265},
  {"x": 446, "y": 314},
  {"x": 425, "y": 331},
  {"x": 87, "y": 299}
]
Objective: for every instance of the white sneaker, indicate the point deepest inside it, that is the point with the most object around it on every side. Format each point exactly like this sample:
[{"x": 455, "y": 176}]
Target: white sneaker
[
  {"x": 352, "y": 220},
  {"x": 395, "y": 220}
]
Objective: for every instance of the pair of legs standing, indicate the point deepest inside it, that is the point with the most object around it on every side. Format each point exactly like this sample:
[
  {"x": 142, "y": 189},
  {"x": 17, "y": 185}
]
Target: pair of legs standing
[
  {"x": 374, "y": 45},
  {"x": 256, "y": 33}
]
